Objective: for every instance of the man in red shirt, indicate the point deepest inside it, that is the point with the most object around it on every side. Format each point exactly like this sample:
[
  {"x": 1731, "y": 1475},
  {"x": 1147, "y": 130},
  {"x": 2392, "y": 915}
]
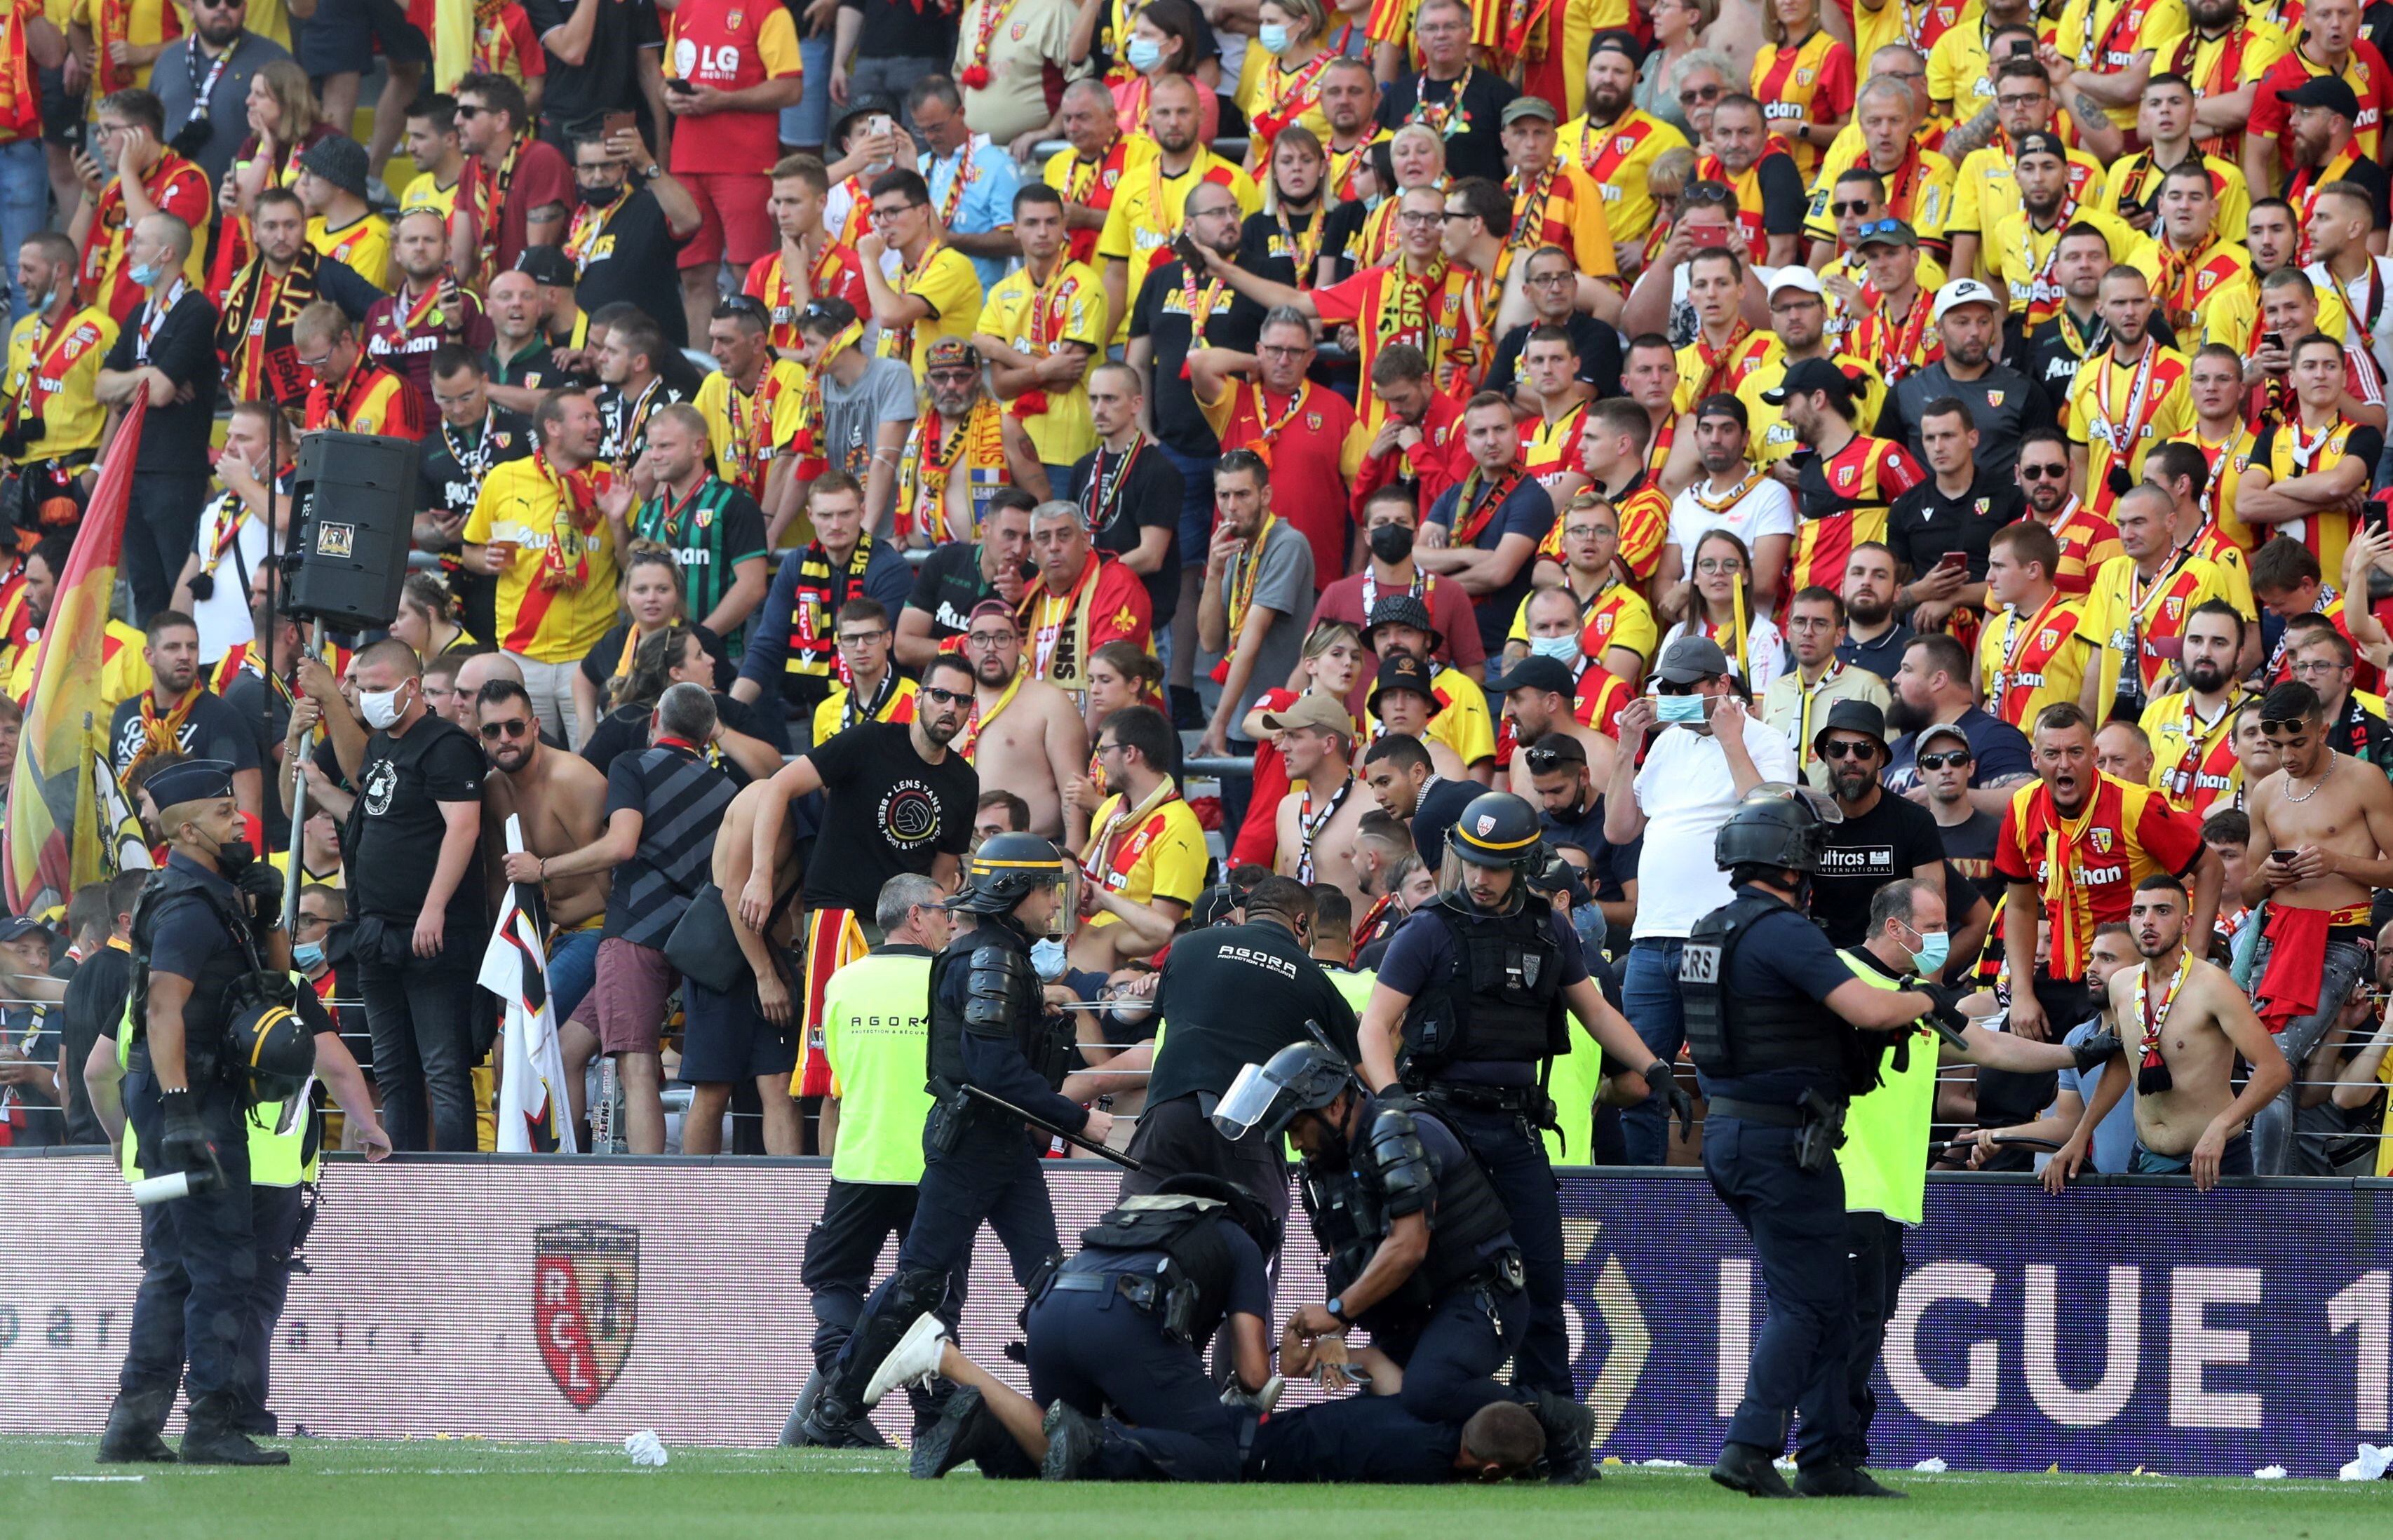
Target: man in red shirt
[
  {"x": 129, "y": 140},
  {"x": 351, "y": 394},
  {"x": 1306, "y": 434},
  {"x": 734, "y": 63},
  {"x": 403, "y": 330},
  {"x": 1418, "y": 442},
  {"x": 810, "y": 265},
  {"x": 2328, "y": 44},
  {"x": 1084, "y": 598},
  {"x": 1390, "y": 518},
  {"x": 515, "y": 190}
]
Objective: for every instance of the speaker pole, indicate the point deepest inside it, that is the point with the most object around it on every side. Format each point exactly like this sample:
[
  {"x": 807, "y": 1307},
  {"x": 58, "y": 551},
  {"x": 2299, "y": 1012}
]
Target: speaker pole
[{"x": 299, "y": 804}]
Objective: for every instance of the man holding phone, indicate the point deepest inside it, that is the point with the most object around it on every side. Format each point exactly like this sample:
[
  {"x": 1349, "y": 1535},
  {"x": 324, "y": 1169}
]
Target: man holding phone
[
  {"x": 733, "y": 64},
  {"x": 1945, "y": 528}
]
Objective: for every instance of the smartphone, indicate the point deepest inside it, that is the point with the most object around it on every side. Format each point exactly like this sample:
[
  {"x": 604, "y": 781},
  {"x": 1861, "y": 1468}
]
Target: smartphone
[
  {"x": 615, "y": 123},
  {"x": 881, "y": 125},
  {"x": 2284, "y": 858},
  {"x": 1707, "y": 239},
  {"x": 2273, "y": 339},
  {"x": 1186, "y": 251},
  {"x": 1950, "y": 560},
  {"x": 2372, "y": 516},
  {"x": 681, "y": 87}
]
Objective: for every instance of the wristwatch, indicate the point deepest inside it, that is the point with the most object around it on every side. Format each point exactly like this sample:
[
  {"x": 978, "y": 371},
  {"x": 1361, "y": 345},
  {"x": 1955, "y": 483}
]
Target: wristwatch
[
  {"x": 1337, "y": 1308},
  {"x": 652, "y": 171}
]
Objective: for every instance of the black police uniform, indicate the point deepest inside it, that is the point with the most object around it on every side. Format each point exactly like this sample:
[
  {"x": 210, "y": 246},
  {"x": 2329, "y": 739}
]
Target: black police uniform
[
  {"x": 199, "y": 1255},
  {"x": 1485, "y": 1020},
  {"x": 1773, "y": 1059},
  {"x": 989, "y": 1028},
  {"x": 1461, "y": 1312},
  {"x": 1360, "y": 1438},
  {"x": 1124, "y": 1323}
]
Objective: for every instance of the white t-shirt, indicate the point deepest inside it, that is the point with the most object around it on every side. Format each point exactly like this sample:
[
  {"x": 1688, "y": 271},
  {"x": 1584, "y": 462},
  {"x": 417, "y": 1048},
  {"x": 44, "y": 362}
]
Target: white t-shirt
[
  {"x": 1686, "y": 793},
  {"x": 1765, "y": 652},
  {"x": 222, "y": 616},
  {"x": 1768, "y": 509}
]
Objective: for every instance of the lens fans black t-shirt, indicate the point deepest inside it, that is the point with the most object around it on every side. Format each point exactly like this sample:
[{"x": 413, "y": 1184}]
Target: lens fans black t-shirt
[
  {"x": 886, "y": 812},
  {"x": 400, "y": 827}
]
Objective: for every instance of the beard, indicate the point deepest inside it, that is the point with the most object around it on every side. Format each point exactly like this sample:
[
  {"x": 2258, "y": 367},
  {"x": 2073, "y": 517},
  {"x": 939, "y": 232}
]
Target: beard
[
  {"x": 2206, "y": 675},
  {"x": 1720, "y": 462},
  {"x": 2212, "y": 13},
  {"x": 1904, "y": 717},
  {"x": 990, "y": 670},
  {"x": 1851, "y": 786},
  {"x": 1868, "y": 611},
  {"x": 1969, "y": 354}
]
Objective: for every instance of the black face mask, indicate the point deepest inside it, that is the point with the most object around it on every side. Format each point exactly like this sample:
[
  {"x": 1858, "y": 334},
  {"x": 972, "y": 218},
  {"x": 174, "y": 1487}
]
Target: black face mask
[
  {"x": 231, "y": 859},
  {"x": 1392, "y": 543},
  {"x": 596, "y": 197}
]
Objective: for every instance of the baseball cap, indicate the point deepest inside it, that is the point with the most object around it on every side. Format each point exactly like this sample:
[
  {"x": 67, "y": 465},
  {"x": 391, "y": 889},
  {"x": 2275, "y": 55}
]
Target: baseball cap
[
  {"x": 1529, "y": 107},
  {"x": 18, "y": 927},
  {"x": 1535, "y": 673},
  {"x": 1886, "y": 233},
  {"x": 1311, "y": 710},
  {"x": 1612, "y": 40},
  {"x": 1690, "y": 659},
  {"x": 1806, "y": 376},
  {"x": 1723, "y": 405},
  {"x": 548, "y": 266},
  {"x": 1942, "y": 730},
  {"x": 1960, "y": 291},
  {"x": 2038, "y": 142},
  {"x": 1793, "y": 277},
  {"x": 2332, "y": 92},
  {"x": 951, "y": 353}
]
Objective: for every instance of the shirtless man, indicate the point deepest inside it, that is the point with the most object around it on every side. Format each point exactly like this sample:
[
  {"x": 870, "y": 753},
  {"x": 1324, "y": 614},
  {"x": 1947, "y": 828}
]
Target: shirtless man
[
  {"x": 1537, "y": 694},
  {"x": 1024, "y": 735},
  {"x": 2322, "y": 827},
  {"x": 2184, "y": 1022},
  {"x": 734, "y": 862},
  {"x": 1317, "y": 824},
  {"x": 562, "y": 800}
]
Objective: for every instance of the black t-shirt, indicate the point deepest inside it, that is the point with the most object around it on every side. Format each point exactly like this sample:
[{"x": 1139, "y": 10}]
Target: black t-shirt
[
  {"x": 1923, "y": 523},
  {"x": 1969, "y": 849},
  {"x": 1235, "y": 995},
  {"x": 1864, "y": 853},
  {"x": 266, "y": 716},
  {"x": 1161, "y": 315},
  {"x": 1343, "y": 235},
  {"x": 95, "y": 1003},
  {"x": 210, "y": 730},
  {"x": 949, "y": 584},
  {"x": 1475, "y": 149},
  {"x": 400, "y": 827},
  {"x": 174, "y": 436},
  {"x": 1146, "y": 495},
  {"x": 886, "y": 813},
  {"x": 598, "y": 665},
  {"x": 1264, "y": 247},
  {"x": 451, "y": 485},
  {"x": 898, "y": 29},
  {"x": 1440, "y": 805},
  {"x": 608, "y": 77},
  {"x": 634, "y": 260},
  {"x": 1599, "y": 355}
]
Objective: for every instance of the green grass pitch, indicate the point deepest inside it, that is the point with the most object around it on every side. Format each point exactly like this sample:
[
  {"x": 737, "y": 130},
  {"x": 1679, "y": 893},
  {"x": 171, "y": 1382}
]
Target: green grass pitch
[{"x": 428, "y": 1490}]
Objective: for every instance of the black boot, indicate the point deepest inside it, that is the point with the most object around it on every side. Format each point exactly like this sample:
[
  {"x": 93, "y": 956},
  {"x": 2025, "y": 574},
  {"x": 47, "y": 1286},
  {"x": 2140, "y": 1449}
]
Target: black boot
[
  {"x": 963, "y": 1431},
  {"x": 210, "y": 1438},
  {"x": 1569, "y": 1428},
  {"x": 1072, "y": 1437},
  {"x": 1747, "y": 1467},
  {"x": 1841, "y": 1481},
  {"x": 131, "y": 1437}
]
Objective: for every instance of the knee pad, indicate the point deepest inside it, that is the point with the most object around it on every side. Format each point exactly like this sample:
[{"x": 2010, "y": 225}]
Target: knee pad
[{"x": 913, "y": 1291}]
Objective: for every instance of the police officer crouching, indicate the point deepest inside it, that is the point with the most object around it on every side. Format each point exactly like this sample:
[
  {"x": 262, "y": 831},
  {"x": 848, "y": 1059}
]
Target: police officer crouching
[
  {"x": 1124, "y": 1323},
  {"x": 1772, "y": 1011},
  {"x": 989, "y": 1029},
  {"x": 204, "y": 930},
  {"x": 1470, "y": 1008},
  {"x": 1418, "y": 1249}
]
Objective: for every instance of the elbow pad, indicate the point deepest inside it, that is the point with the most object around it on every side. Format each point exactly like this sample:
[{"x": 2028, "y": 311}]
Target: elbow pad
[
  {"x": 998, "y": 992},
  {"x": 1406, "y": 1178}
]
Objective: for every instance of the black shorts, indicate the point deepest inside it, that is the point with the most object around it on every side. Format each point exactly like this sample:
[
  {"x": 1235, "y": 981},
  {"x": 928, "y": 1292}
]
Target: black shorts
[
  {"x": 340, "y": 38},
  {"x": 726, "y": 1039},
  {"x": 62, "y": 114}
]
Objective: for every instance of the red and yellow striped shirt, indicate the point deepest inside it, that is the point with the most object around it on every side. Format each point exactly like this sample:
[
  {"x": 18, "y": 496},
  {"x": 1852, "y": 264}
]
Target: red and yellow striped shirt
[{"x": 2088, "y": 865}]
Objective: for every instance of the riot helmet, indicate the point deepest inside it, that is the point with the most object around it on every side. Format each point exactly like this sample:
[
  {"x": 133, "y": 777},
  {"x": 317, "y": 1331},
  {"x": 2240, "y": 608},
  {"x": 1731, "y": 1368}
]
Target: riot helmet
[
  {"x": 1265, "y": 1097},
  {"x": 1497, "y": 831},
  {"x": 1778, "y": 825},
  {"x": 1009, "y": 867},
  {"x": 274, "y": 1044}
]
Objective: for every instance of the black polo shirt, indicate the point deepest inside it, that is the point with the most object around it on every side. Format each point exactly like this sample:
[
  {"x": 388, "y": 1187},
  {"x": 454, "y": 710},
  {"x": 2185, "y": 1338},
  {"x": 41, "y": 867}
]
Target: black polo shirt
[
  {"x": 2004, "y": 404},
  {"x": 1476, "y": 147},
  {"x": 1144, "y": 495},
  {"x": 1881, "y": 657},
  {"x": 174, "y": 436},
  {"x": 608, "y": 77},
  {"x": 1160, "y": 315},
  {"x": 1599, "y": 355},
  {"x": 1924, "y": 523}
]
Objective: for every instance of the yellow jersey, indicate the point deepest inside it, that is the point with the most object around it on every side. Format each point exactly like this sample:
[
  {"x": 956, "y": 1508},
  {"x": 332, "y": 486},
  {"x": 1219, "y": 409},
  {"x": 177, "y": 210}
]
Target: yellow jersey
[{"x": 1039, "y": 320}]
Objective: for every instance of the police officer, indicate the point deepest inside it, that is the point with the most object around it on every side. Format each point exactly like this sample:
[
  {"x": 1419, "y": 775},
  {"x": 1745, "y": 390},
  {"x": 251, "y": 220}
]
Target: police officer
[
  {"x": 1418, "y": 1249},
  {"x": 210, "y": 920},
  {"x": 1771, "y": 1010},
  {"x": 989, "y": 1029},
  {"x": 1368, "y": 1438},
  {"x": 1468, "y": 1014},
  {"x": 1124, "y": 1323}
]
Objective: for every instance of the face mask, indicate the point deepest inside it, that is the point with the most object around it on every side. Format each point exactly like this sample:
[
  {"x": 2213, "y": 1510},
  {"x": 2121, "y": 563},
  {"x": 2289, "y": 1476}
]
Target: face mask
[
  {"x": 1275, "y": 39},
  {"x": 1684, "y": 709},
  {"x": 380, "y": 707},
  {"x": 233, "y": 858},
  {"x": 1392, "y": 543},
  {"x": 596, "y": 197},
  {"x": 1561, "y": 649},
  {"x": 1935, "y": 947},
  {"x": 1047, "y": 958},
  {"x": 145, "y": 276},
  {"x": 308, "y": 954},
  {"x": 1144, "y": 56}
]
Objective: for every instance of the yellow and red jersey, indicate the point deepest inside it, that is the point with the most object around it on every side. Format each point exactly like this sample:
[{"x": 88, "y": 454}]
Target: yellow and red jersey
[
  {"x": 2287, "y": 449},
  {"x": 2118, "y": 411},
  {"x": 176, "y": 187},
  {"x": 2192, "y": 288},
  {"x": 371, "y": 399},
  {"x": 1811, "y": 80},
  {"x": 2086, "y": 541},
  {"x": 1443, "y": 312},
  {"x": 1616, "y": 158},
  {"x": 1748, "y": 190},
  {"x": 2193, "y": 760},
  {"x": 2088, "y": 865},
  {"x": 2228, "y": 460},
  {"x": 2221, "y": 66},
  {"x": 1705, "y": 370},
  {"x": 1843, "y": 501},
  {"x": 1643, "y": 512},
  {"x": 2026, "y": 662},
  {"x": 505, "y": 43},
  {"x": 1093, "y": 183},
  {"x": 2127, "y": 615},
  {"x": 1550, "y": 450},
  {"x": 2105, "y": 37},
  {"x": 838, "y": 273},
  {"x": 1560, "y": 207},
  {"x": 2363, "y": 70}
]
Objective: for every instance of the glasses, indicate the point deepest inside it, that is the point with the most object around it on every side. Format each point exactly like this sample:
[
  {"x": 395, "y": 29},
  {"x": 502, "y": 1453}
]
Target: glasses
[
  {"x": 1272, "y": 351},
  {"x": 1695, "y": 94},
  {"x": 470, "y": 110},
  {"x": 1848, "y": 748},
  {"x": 988, "y": 638},
  {"x": 308, "y": 924},
  {"x": 938, "y": 697},
  {"x": 1545, "y": 761},
  {"x": 1876, "y": 227},
  {"x": 1951, "y": 759},
  {"x": 493, "y": 731},
  {"x": 741, "y": 305},
  {"x": 1671, "y": 686},
  {"x": 1104, "y": 749},
  {"x": 859, "y": 638},
  {"x": 2042, "y": 473},
  {"x": 891, "y": 210},
  {"x": 1857, "y": 207},
  {"x": 1706, "y": 192},
  {"x": 2313, "y": 668},
  {"x": 1418, "y": 220},
  {"x": 1728, "y": 565},
  {"x": 2016, "y": 100},
  {"x": 2273, "y": 726},
  {"x": 318, "y": 363},
  {"x": 953, "y": 376}
]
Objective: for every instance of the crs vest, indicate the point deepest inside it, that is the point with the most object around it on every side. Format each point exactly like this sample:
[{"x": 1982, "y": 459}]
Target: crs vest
[
  {"x": 999, "y": 999},
  {"x": 207, "y": 1022},
  {"x": 1502, "y": 1001},
  {"x": 1733, "y": 1035},
  {"x": 1385, "y": 1177},
  {"x": 1196, "y": 1272}
]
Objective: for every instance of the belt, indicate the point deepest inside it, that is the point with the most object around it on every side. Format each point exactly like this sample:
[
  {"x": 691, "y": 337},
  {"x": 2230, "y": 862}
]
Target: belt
[
  {"x": 1136, "y": 1287},
  {"x": 1477, "y": 1098},
  {"x": 1776, "y": 1115}
]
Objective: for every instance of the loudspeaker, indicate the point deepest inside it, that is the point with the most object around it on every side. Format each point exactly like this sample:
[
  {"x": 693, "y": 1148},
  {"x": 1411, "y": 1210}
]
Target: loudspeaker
[{"x": 355, "y": 507}]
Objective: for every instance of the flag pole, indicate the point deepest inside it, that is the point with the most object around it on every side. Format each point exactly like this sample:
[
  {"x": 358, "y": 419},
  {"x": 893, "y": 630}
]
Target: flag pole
[{"x": 298, "y": 794}]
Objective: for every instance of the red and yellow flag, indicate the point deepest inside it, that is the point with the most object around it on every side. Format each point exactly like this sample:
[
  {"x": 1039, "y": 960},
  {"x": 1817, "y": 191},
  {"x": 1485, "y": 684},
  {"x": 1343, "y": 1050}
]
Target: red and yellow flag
[{"x": 53, "y": 832}]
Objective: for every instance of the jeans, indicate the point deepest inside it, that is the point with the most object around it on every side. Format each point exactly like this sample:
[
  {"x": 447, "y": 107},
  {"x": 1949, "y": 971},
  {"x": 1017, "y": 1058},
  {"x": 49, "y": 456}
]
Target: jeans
[
  {"x": 891, "y": 79},
  {"x": 572, "y": 968},
  {"x": 24, "y": 205},
  {"x": 808, "y": 124},
  {"x": 2235, "y": 1161},
  {"x": 1796, "y": 1221},
  {"x": 2272, "y": 1129},
  {"x": 420, "y": 1019},
  {"x": 1648, "y": 998}
]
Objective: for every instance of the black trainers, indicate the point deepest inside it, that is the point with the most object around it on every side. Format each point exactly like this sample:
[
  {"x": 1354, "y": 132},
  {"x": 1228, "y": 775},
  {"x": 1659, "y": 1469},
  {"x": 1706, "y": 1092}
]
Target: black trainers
[
  {"x": 958, "y": 1434},
  {"x": 1841, "y": 1481},
  {"x": 220, "y": 1443},
  {"x": 1071, "y": 1443},
  {"x": 1569, "y": 1428},
  {"x": 1747, "y": 1467}
]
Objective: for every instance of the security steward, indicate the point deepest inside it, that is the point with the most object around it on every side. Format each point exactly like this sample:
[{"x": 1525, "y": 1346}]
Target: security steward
[
  {"x": 204, "y": 928},
  {"x": 1468, "y": 1014},
  {"x": 1417, "y": 1247},
  {"x": 1233, "y": 995},
  {"x": 989, "y": 1029},
  {"x": 1772, "y": 1013},
  {"x": 1123, "y": 1324}
]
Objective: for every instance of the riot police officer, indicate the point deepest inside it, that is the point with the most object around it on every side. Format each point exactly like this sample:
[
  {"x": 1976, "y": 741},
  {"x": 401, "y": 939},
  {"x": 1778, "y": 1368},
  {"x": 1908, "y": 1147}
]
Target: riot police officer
[
  {"x": 1469, "y": 1013},
  {"x": 202, "y": 932},
  {"x": 989, "y": 1029},
  {"x": 1418, "y": 1248},
  {"x": 1124, "y": 1323},
  {"x": 1772, "y": 1011},
  {"x": 1367, "y": 1438}
]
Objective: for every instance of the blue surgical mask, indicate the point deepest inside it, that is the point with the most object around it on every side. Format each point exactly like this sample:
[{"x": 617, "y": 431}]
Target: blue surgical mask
[
  {"x": 1047, "y": 958},
  {"x": 1683, "y": 709},
  {"x": 1145, "y": 54},
  {"x": 1273, "y": 38},
  {"x": 1563, "y": 649},
  {"x": 147, "y": 275},
  {"x": 308, "y": 954},
  {"x": 1935, "y": 947}
]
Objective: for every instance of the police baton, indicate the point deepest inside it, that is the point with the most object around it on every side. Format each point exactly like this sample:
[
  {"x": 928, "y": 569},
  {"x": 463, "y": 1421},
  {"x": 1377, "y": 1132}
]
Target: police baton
[{"x": 1001, "y": 1105}]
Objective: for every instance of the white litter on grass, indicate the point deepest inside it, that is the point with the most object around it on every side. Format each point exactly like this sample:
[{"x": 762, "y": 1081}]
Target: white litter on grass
[
  {"x": 2369, "y": 1466},
  {"x": 1931, "y": 1465},
  {"x": 2269, "y": 1473},
  {"x": 645, "y": 1448},
  {"x": 1784, "y": 1462},
  {"x": 1664, "y": 1464},
  {"x": 98, "y": 1478}
]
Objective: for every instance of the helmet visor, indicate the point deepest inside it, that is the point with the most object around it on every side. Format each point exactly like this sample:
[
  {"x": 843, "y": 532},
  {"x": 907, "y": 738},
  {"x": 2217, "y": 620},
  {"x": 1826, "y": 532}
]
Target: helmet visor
[
  {"x": 1819, "y": 802},
  {"x": 1254, "y": 1100},
  {"x": 1454, "y": 873}
]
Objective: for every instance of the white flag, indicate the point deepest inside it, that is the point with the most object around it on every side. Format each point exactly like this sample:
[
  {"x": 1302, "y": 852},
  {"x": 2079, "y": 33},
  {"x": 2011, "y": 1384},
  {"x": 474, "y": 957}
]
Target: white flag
[{"x": 531, "y": 1077}]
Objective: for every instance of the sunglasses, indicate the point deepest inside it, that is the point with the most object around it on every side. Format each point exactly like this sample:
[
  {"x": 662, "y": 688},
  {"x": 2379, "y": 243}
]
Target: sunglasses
[
  {"x": 2273, "y": 726},
  {"x": 740, "y": 305},
  {"x": 1856, "y": 206},
  {"x": 1701, "y": 94},
  {"x": 1876, "y": 227},
  {"x": 1952, "y": 759},
  {"x": 2042, "y": 473},
  {"x": 1667, "y": 687},
  {"x": 1706, "y": 192},
  {"x": 1848, "y": 749},
  {"x": 945, "y": 698},
  {"x": 493, "y": 731}
]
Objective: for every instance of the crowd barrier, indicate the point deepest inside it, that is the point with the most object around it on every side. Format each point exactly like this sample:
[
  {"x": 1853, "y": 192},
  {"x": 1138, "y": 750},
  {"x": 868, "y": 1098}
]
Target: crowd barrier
[{"x": 2128, "y": 1323}]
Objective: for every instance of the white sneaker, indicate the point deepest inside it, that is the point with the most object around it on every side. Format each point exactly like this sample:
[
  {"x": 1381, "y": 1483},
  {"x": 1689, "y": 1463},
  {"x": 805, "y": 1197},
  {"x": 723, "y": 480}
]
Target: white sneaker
[{"x": 914, "y": 1361}]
